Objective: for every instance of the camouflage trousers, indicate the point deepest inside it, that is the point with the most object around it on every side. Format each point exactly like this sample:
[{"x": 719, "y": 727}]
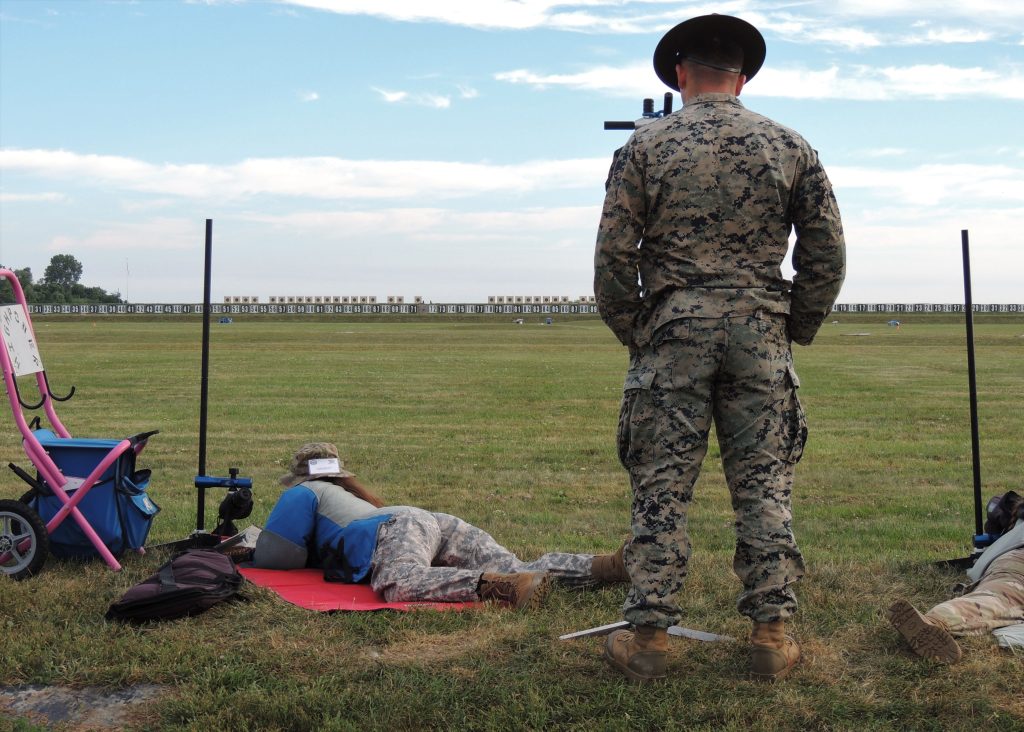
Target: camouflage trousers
[
  {"x": 434, "y": 556},
  {"x": 996, "y": 600},
  {"x": 737, "y": 372}
]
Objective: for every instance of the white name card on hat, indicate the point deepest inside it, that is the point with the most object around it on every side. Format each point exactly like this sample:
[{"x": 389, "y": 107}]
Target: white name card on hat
[{"x": 323, "y": 466}]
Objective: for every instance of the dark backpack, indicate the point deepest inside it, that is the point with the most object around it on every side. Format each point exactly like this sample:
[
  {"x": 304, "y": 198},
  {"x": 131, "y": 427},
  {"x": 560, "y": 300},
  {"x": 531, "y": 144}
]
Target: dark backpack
[
  {"x": 186, "y": 585},
  {"x": 1002, "y": 512}
]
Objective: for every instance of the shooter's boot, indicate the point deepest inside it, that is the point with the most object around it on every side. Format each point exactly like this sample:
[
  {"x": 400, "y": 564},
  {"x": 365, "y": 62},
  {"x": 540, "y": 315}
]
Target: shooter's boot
[
  {"x": 928, "y": 637},
  {"x": 609, "y": 568},
  {"x": 520, "y": 590},
  {"x": 639, "y": 653},
  {"x": 772, "y": 653}
]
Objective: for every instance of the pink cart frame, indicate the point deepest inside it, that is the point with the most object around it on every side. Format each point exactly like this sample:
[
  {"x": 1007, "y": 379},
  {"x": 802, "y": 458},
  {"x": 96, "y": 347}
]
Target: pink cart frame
[{"x": 44, "y": 464}]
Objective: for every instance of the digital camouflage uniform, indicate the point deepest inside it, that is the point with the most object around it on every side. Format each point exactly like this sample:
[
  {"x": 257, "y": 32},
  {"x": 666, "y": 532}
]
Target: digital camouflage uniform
[
  {"x": 422, "y": 555},
  {"x": 413, "y": 555},
  {"x": 996, "y": 598},
  {"x": 406, "y": 553},
  {"x": 699, "y": 209}
]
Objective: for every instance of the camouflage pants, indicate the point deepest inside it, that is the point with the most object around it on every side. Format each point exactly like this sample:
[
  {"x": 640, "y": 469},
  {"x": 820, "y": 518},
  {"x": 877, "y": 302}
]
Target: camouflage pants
[
  {"x": 995, "y": 601},
  {"x": 433, "y": 556},
  {"x": 738, "y": 372}
]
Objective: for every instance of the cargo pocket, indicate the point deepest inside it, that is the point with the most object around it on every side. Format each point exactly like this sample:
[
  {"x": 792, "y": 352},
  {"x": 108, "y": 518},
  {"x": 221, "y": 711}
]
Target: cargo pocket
[
  {"x": 636, "y": 431},
  {"x": 675, "y": 330},
  {"x": 795, "y": 421}
]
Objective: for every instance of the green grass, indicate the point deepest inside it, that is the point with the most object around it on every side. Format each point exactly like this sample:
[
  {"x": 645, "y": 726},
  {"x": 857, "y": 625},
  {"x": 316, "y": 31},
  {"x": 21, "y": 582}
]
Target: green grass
[{"x": 512, "y": 428}]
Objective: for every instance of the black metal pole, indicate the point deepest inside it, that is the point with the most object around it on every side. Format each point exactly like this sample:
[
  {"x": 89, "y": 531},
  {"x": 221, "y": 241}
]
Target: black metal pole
[
  {"x": 972, "y": 383},
  {"x": 204, "y": 389}
]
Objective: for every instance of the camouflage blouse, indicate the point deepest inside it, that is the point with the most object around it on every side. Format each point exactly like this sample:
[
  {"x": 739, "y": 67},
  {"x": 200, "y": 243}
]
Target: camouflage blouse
[{"x": 697, "y": 219}]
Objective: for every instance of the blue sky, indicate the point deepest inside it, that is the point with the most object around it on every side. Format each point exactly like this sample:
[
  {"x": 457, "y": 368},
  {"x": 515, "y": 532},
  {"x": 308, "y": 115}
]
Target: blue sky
[{"x": 455, "y": 149}]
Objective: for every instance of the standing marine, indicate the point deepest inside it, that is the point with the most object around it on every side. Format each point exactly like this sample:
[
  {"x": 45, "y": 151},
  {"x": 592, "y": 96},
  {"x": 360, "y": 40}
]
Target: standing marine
[{"x": 697, "y": 219}]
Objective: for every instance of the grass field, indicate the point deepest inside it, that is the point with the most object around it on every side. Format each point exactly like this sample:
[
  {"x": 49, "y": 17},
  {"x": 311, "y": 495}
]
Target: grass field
[{"x": 512, "y": 428}]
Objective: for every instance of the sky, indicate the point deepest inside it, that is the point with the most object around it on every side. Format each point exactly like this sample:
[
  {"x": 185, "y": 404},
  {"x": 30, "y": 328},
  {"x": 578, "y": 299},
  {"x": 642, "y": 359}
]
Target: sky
[{"x": 454, "y": 149}]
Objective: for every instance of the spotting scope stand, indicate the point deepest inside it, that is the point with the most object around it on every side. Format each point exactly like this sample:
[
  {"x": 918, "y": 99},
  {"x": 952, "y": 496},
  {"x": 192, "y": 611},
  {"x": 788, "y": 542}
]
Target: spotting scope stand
[
  {"x": 238, "y": 502},
  {"x": 980, "y": 540},
  {"x": 649, "y": 115}
]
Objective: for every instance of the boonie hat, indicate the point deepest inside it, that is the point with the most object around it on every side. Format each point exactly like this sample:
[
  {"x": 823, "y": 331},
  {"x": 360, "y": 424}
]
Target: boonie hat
[
  {"x": 673, "y": 46},
  {"x": 315, "y": 460}
]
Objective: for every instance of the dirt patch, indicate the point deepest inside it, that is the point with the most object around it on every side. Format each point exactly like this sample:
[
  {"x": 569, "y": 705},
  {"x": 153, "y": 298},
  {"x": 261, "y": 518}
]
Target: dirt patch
[
  {"x": 427, "y": 650},
  {"x": 89, "y": 708}
]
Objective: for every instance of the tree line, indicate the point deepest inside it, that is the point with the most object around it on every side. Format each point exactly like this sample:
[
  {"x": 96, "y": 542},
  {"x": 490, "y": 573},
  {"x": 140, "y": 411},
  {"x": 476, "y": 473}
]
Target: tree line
[{"x": 60, "y": 284}]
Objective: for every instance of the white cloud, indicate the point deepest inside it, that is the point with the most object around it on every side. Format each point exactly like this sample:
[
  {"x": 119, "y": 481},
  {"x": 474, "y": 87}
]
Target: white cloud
[
  {"x": 863, "y": 83},
  {"x": 908, "y": 255},
  {"x": 31, "y": 197},
  {"x": 308, "y": 96},
  {"x": 973, "y": 10},
  {"x": 621, "y": 81},
  {"x": 391, "y": 96},
  {"x": 885, "y": 152},
  {"x": 337, "y": 179},
  {"x": 134, "y": 205},
  {"x": 907, "y": 218},
  {"x": 171, "y": 233},
  {"x": 444, "y": 254},
  {"x": 950, "y": 35},
  {"x": 474, "y": 13},
  {"x": 930, "y": 186},
  {"x": 321, "y": 178},
  {"x": 435, "y": 224},
  {"x": 852, "y": 38},
  {"x": 835, "y": 24},
  {"x": 824, "y": 23},
  {"x": 583, "y": 16},
  {"x": 820, "y": 29},
  {"x": 940, "y": 81},
  {"x": 435, "y": 101}
]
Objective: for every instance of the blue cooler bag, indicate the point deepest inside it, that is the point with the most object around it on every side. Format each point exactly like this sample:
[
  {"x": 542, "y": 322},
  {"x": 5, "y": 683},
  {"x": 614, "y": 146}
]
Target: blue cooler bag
[{"x": 117, "y": 506}]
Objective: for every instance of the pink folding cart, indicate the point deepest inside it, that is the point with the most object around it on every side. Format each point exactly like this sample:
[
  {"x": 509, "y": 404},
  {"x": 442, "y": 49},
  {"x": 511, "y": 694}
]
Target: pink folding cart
[{"x": 93, "y": 482}]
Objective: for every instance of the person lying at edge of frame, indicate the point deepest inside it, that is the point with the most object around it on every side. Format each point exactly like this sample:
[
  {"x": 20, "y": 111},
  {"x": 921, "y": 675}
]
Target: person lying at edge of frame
[
  {"x": 993, "y": 602},
  {"x": 326, "y": 518}
]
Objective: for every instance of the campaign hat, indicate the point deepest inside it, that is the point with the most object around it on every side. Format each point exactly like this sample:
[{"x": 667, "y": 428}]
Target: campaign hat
[{"x": 674, "y": 46}]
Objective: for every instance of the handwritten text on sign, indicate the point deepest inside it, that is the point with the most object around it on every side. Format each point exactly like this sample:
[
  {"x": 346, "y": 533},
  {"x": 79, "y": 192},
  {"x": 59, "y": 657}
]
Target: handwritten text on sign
[{"x": 18, "y": 340}]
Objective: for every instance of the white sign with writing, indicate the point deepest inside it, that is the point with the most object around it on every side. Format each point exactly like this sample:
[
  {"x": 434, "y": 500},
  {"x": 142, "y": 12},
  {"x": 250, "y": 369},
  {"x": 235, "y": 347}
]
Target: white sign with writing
[
  {"x": 324, "y": 466},
  {"x": 18, "y": 340}
]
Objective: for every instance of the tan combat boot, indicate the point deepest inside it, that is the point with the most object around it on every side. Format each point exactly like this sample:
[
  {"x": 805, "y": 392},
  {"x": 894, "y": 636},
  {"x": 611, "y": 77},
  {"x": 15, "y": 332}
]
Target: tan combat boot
[
  {"x": 609, "y": 568},
  {"x": 928, "y": 637},
  {"x": 639, "y": 653},
  {"x": 521, "y": 590},
  {"x": 773, "y": 653}
]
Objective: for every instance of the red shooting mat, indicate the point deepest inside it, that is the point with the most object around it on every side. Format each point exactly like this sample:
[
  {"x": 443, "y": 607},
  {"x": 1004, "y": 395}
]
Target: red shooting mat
[{"x": 306, "y": 588}]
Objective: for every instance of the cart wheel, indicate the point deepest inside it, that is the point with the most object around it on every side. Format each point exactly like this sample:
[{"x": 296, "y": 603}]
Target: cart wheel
[{"x": 24, "y": 542}]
